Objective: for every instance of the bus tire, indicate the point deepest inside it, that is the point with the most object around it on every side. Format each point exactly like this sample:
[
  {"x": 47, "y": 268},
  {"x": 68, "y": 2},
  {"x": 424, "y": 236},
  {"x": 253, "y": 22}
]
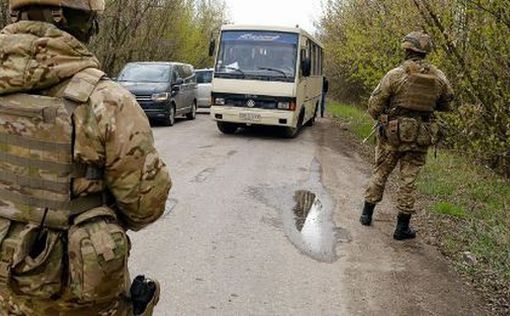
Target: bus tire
[
  {"x": 290, "y": 132},
  {"x": 314, "y": 117},
  {"x": 227, "y": 128}
]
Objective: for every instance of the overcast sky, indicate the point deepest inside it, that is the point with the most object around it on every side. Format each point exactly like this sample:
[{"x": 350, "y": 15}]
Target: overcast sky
[{"x": 276, "y": 12}]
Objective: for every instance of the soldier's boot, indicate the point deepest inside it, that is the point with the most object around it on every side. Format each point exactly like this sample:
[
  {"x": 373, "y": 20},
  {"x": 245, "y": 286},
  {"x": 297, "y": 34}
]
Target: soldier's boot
[
  {"x": 366, "y": 215},
  {"x": 404, "y": 231},
  {"x": 144, "y": 295}
]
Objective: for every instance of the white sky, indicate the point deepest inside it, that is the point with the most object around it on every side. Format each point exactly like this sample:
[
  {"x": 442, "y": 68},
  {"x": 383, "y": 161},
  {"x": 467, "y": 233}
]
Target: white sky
[{"x": 276, "y": 12}]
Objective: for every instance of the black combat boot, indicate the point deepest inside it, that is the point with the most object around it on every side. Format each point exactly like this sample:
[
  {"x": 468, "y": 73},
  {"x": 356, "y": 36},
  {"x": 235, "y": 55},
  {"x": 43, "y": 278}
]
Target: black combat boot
[
  {"x": 366, "y": 216},
  {"x": 404, "y": 231}
]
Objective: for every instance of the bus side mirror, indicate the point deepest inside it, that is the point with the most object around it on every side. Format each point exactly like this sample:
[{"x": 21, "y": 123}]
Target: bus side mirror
[
  {"x": 306, "y": 67},
  {"x": 212, "y": 48}
]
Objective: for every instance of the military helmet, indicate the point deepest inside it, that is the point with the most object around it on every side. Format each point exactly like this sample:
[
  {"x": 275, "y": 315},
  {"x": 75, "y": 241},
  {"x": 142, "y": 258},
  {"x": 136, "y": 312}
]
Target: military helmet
[
  {"x": 419, "y": 42},
  {"x": 95, "y": 6}
]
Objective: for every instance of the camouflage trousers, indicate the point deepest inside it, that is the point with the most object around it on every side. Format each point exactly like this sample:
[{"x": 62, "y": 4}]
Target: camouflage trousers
[
  {"x": 410, "y": 164},
  {"x": 12, "y": 305}
]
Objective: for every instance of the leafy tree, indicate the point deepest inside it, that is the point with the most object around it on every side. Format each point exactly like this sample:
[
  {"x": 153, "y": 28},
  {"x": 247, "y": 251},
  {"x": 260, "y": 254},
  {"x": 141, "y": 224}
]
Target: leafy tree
[{"x": 362, "y": 40}]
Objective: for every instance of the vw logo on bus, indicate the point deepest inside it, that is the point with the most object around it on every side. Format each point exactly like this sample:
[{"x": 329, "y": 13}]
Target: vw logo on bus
[{"x": 251, "y": 103}]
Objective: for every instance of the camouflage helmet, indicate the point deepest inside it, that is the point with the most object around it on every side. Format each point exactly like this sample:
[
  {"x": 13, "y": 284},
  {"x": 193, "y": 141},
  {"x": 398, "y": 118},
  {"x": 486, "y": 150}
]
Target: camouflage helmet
[
  {"x": 419, "y": 42},
  {"x": 95, "y": 6}
]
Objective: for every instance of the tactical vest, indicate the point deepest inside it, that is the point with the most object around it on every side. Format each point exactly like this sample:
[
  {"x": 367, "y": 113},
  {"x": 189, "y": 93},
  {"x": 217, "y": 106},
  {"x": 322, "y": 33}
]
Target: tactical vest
[
  {"x": 419, "y": 90},
  {"x": 37, "y": 166}
]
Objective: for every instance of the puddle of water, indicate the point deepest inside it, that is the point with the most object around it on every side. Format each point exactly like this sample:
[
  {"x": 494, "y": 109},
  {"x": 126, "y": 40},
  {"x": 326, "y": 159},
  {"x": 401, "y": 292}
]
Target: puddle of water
[{"x": 306, "y": 210}]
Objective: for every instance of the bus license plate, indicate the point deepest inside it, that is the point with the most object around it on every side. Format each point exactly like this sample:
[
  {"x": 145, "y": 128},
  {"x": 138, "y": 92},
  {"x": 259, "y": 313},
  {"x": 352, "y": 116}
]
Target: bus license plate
[{"x": 253, "y": 117}]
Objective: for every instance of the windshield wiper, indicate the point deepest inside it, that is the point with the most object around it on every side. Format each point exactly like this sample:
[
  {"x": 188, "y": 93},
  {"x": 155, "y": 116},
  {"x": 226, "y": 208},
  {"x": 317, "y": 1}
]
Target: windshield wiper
[
  {"x": 235, "y": 69},
  {"x": 275, "y": 70}
]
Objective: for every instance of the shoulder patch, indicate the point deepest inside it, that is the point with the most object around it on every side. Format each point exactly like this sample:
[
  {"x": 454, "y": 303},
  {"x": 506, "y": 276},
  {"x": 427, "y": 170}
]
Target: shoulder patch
[{"x": 83, "y": 84}]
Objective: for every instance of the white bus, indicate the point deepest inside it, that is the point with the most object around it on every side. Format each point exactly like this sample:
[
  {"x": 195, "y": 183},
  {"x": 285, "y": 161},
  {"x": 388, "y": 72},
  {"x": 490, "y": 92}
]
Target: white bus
[{"x": 266, "y": 76}]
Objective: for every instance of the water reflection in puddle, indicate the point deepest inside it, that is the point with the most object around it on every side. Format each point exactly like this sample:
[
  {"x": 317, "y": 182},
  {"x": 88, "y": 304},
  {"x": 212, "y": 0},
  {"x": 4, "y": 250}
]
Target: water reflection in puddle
[{"x": 306, "y": 210}]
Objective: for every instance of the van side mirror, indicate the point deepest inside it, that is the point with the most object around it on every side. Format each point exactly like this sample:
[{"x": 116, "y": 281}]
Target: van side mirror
[
  {"x": 178, "y": 82},
  {"x": 306, "y": 66},
  {"x": 212, "y": 48}
]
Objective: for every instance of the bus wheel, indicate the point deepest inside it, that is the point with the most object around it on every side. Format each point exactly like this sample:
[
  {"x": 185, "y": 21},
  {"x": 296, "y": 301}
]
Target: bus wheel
[
  {"x": 290, "y": 132},
  {"x": 312, "y": 120},
  {"x": 227, "y": 128}
]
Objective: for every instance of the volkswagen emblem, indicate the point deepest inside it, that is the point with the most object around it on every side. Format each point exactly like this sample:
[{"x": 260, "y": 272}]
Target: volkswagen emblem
[{"x": 251, "y": 103}]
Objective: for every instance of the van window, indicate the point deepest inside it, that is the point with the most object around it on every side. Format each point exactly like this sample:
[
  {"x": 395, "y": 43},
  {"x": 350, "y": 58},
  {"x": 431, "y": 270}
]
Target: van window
[
  {"x": 204, "y": 76},
  {"x": 145, "y": 73}
]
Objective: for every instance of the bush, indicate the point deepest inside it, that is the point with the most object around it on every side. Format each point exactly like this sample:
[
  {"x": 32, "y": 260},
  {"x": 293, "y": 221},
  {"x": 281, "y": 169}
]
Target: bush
[{"x": 362, "y": 41}]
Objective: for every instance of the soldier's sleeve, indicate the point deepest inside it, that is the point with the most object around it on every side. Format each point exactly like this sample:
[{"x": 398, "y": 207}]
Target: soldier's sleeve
[
  {"x": 447, "y": 94},
  {"x": 134, "y": 172},
  {"x": 381, "y": 96}
]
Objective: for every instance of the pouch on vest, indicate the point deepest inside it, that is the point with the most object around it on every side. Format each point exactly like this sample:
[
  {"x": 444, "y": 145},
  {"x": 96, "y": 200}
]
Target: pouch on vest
[
  {"x": 428, "y": 134},
  {"x": 33, "y": 273},
  {"x": 392, "y": 132},
  {"x": 37, "y": 167},
  {"x": 98, "y": 254},
  {"x": 408, "y": 129}
]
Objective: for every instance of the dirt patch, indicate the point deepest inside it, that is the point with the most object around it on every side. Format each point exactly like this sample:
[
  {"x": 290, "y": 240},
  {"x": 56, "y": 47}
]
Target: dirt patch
[{"x": 432, "y": 227}]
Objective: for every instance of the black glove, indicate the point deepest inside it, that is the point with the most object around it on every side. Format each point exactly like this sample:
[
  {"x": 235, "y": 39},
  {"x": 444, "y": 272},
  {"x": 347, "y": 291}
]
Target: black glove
[{"x": 142, "y": 291}]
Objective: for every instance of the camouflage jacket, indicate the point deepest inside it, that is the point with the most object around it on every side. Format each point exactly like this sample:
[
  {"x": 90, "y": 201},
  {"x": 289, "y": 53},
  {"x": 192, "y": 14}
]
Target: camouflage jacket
[
  {"x": 380, "y": 101},
  {"x": 112, "y": 130}
]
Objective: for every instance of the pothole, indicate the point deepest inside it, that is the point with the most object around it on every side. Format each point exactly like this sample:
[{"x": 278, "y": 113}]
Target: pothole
[{"x": 306, "y": 210}]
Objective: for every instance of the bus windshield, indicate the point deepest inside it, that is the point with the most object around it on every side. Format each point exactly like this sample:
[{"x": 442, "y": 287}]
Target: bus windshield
[{"x": 257, "y": 55}]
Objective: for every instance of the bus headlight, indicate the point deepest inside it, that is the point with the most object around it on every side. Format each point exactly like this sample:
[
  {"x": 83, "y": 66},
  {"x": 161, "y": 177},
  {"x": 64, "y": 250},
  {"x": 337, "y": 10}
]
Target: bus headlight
[
  {"x": 160, "y": 97},
  {"x": 219, "y": 101},
  {"x": 283, "y": 105},
  {"x": 291, "y": 106}
]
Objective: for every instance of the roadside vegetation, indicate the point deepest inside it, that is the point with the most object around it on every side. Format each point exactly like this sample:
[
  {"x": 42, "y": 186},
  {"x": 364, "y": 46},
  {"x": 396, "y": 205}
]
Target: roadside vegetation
[
  {"x": 467, "y": 210},
  {"x": 362, "y": 42},
  {"x": 138, "y": 30}
]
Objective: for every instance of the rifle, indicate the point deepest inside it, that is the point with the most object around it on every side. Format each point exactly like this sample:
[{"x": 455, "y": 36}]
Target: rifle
[{"x": 374, "y": 130}]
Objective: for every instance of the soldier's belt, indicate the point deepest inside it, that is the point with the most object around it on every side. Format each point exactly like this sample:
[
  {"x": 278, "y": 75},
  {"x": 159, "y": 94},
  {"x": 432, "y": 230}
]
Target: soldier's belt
[{"x": 60, "y": 213}]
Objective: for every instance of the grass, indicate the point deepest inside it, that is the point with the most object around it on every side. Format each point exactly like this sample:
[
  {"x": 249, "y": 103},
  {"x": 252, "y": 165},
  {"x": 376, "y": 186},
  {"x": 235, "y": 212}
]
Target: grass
[
  {"x": 472, "y": 200},
  {"x": 359, "y": 121}
]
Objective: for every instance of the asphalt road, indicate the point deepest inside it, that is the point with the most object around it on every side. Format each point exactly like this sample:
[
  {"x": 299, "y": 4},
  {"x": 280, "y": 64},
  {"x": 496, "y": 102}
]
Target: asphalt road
[{"x": 229, "y": 243}]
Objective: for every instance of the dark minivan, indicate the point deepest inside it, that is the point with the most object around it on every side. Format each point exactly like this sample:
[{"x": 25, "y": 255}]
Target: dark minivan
[{"x": 164, "y": 90}]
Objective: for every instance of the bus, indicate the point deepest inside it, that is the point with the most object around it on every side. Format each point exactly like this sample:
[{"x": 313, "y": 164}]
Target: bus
[{"x": 266, "y": 76}]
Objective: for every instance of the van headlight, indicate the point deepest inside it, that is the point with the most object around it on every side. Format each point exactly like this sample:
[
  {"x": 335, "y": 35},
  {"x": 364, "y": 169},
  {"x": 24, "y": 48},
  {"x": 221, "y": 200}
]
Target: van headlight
[
  {"x": 160, "y": 97},
  {"x": 219, "y": 101}
]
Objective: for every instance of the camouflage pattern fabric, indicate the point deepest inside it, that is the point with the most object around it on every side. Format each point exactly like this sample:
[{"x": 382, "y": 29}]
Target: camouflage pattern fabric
[
  {"x": 411, "y": 155},
  {"x": 410, "y": 164},
  {"x": 112, "y": 132}
]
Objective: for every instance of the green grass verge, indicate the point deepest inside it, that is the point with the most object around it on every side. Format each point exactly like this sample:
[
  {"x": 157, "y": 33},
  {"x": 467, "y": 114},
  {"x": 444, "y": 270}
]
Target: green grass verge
[
  {"x": 359, "y": 121},
  {"x": 468, "y": 196}
]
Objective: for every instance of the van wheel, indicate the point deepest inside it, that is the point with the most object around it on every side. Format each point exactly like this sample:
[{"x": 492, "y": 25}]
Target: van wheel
[
  {"x": 227, "y": 128},
  {"x": 193, "y": 114},
  {"x": 170, "y": 119}
]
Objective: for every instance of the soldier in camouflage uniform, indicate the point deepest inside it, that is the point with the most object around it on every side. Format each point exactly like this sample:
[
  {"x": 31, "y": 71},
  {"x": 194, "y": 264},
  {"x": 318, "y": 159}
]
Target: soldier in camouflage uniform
[
  {"x": 78, "y": 168},
  {"x": 404, "y": 104}
]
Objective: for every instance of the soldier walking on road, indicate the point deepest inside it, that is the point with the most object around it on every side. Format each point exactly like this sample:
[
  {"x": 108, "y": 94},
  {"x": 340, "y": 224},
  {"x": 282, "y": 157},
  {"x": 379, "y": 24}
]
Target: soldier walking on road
[
  {"x": 78, "y": 168},
  {"x": 404, "y": 104}
]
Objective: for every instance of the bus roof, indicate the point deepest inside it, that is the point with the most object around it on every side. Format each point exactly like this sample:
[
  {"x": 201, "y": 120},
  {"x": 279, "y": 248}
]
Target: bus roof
[{"x": 271, "y": 28}]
